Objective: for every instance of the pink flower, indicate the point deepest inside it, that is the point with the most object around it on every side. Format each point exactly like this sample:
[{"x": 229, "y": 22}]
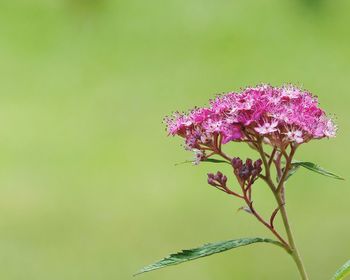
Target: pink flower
[
  {"x": 231, "y": 133},
  {"x": 213, "y": 125},
  {"x": 330, "y": 129},
  {"x": 290, "y": 91},
  {"x": 178, "y": 124},
  {"x": 283, "y": 115},
  {"x": 200, "y": 115}
]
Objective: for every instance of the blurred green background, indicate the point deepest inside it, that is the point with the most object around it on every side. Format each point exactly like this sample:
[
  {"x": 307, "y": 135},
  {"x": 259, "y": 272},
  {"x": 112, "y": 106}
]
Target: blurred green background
[{"x": 88, "y": 186}]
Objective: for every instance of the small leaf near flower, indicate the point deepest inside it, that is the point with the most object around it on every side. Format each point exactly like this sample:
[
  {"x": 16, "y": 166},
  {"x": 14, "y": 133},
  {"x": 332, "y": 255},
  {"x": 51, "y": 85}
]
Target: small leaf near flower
[
  {"x": 245, "y": 209},
  {"x": 316, "y": 168},
  {"x": 212, "y": 160}
]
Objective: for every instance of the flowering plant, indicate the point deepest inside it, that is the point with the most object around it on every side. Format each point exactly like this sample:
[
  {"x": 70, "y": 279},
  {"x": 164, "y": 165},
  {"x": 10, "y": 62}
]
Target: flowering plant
[{"x": 274, "y": 121}]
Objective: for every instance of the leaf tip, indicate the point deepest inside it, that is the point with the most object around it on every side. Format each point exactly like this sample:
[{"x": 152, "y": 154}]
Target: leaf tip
[{"x": 137, "y": 273}]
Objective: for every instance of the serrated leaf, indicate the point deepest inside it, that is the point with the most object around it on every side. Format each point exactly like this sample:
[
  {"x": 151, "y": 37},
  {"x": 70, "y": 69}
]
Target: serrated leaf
[
  {"x": 316, "y": 168},
  {"x": 203, "y": 251},
  {"x": 342, "y": 272}
]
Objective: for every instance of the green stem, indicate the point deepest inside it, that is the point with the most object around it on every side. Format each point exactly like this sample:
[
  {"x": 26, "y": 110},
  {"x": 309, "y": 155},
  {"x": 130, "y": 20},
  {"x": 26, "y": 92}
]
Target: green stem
[{"x": 294, "y": 251}]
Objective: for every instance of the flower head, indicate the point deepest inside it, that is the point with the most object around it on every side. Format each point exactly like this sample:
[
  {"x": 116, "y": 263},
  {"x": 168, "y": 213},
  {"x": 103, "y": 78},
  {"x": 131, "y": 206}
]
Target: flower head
[{"x": 281, "y": 115}]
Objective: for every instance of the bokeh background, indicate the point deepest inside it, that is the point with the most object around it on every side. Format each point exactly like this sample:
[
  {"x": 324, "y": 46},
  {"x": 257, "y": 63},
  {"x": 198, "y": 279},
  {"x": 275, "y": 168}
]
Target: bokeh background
[{"x": 88, "y": 186}]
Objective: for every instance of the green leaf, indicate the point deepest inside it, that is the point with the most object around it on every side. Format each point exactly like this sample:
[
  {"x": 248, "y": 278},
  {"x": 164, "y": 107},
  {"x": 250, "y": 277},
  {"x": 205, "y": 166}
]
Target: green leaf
[
  {"x": 293, "y": 169},
  {"x": 205, "y": 250},
  {"x": 314, "y": 167},
  {"x": 186, "y": 161},
  {"x": 212, "y": 160},
  {"x": 342, "y": 272}
]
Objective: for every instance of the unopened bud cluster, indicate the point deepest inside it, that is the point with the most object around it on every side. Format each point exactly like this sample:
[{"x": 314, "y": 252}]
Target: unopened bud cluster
[
  {"x": 247, "y": 171},
  {"x": 217, "y": 180}
]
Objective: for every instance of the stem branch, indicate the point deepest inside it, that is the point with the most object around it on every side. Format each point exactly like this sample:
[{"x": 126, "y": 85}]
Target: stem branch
[{"x": 289, "y": 246}]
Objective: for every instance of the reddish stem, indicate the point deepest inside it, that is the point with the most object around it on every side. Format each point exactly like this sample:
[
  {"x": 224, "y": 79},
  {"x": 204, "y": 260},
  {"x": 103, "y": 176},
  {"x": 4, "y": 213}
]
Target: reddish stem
[
  {"x": 273, "y": 216},
  {"x": 260, "y": 219},
  {"x": 247, "y": 191}
]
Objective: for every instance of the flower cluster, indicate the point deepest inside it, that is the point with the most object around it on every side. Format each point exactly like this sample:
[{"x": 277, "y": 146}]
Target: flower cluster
[
  {"x": 278, "y": 115},
  {"x": 219, "y": 181}
]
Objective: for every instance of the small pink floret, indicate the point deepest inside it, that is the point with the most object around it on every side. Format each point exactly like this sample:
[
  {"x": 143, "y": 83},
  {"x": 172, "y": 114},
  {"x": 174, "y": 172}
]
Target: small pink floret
[
  {"x": 267, "y": 127},
  {"x": 295, "y": 136}
]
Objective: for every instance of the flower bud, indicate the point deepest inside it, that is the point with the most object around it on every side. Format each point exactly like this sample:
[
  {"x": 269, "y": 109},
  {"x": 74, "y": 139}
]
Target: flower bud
[
  {"x": 211, "y": 180},
  {"x": 259, "y": 169},
  {"x": 224, "y": 180},
  {"x": 244, "y": 172},
  {"x": 218, "y": 176},
  {"x": 258, "y": 163},
  {"x": 249, "y": 164},
  {"x": 256, "y": 172},
  {"x": 236, "y": 163}
]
